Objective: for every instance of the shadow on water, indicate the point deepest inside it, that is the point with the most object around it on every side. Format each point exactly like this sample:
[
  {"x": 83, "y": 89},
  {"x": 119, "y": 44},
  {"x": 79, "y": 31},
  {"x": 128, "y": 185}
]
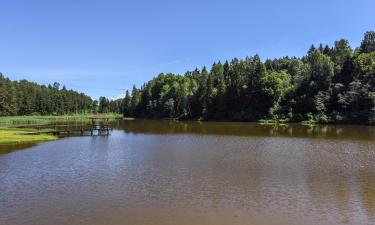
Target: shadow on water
[
  {"x": 7, "y": 148},
  {"x": 160, "y": 127},
  {"x": 352, "y": 132}
]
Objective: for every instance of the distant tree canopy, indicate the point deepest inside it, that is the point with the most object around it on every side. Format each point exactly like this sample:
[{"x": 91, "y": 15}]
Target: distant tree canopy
[
  {"x": 28, "y": 98},
  {"x": 329, "y": 84}
]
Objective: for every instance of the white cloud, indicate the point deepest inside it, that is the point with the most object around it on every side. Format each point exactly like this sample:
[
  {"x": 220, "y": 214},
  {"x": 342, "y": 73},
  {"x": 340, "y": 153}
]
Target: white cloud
[{"x": 118, "y": 97}]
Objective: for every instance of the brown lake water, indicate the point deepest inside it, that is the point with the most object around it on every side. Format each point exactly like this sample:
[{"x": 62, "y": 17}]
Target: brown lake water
[{"x": 180, "y": 173}]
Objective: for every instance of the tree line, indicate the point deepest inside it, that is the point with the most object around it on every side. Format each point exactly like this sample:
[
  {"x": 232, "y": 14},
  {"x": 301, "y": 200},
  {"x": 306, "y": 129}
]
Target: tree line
[
  {"x": 329, "y": 84},
  {"x": 28, "y": 98}
]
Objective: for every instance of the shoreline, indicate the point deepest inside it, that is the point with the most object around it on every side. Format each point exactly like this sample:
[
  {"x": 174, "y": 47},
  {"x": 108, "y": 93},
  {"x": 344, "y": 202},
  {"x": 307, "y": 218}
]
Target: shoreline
[
  {"x": 10, "y": 136},
  {"x": 280, "y": 122},
  {"x": 50, "y": 119},
  {"x": 10, "y": 127}
]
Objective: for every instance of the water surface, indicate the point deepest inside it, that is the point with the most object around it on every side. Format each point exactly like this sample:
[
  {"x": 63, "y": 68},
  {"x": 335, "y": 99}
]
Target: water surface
[{"x": 152, "y": 172}]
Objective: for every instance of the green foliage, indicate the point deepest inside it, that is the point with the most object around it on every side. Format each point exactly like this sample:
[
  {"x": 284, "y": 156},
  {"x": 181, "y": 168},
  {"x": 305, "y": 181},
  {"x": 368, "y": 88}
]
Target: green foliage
[
  {"x": 329, "y": 84},
  {"x": 7, "y": 104},
  {"x": 368, "y": 42},
  {"x": 275, "y": 85},
  {"x": 365, "y": 63},
  {"x": 28, "y": 98},
  {"x": 13, "y": 135},
  {"x": 51, "y": 119}
]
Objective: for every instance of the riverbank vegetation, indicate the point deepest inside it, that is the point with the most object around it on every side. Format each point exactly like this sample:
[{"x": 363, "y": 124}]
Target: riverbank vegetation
[
  {"x": 14, "y": 135},
  {"x": 329, "y": 84},
  {"x": 82, "y": 118},
  {"x": 10, "y": 133}
]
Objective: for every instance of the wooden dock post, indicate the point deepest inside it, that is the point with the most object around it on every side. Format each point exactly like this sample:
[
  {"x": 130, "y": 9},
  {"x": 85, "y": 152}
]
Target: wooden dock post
[{"x": 100, "y": 124}]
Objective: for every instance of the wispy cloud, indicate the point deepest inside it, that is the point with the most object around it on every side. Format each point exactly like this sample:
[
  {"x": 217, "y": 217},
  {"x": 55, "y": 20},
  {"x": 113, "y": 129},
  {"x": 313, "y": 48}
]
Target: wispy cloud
[{"x": 118, "y": 97}]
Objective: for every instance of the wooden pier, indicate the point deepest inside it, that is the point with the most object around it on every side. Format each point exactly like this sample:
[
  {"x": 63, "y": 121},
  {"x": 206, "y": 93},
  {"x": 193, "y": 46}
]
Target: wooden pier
[{"x": 99, "y": 127}]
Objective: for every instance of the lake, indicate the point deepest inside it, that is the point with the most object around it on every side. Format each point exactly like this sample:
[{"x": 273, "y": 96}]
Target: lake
[{"x": 180, "y": 173}]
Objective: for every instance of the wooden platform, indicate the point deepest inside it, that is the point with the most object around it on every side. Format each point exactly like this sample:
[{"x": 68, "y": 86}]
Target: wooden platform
[
  {"x": 97, "y": 129},
  {"x": 99, "y": 126}
]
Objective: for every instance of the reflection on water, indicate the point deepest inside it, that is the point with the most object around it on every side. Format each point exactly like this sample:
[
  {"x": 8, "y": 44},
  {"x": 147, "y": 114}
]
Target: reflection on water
[
  {"x": 249, "y": 129},
  {"x": 7, "y": 148},
  {"x": 151, "y": 172}
]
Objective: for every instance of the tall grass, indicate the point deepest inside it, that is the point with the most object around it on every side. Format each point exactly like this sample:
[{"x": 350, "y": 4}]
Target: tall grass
[
  {"x": 14, "y": 135},
  {"x": 24, "y": 120}
]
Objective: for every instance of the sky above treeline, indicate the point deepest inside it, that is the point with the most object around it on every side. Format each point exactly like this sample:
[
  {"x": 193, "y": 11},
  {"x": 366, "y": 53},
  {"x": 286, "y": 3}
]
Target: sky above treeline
[{"x": 104, "y": 47}]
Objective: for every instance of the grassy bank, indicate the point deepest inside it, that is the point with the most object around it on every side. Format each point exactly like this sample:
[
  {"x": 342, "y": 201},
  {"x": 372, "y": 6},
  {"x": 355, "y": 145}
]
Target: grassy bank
[
  {"x": 13, "y": 136},
  {"x": 19, "y": 120}
]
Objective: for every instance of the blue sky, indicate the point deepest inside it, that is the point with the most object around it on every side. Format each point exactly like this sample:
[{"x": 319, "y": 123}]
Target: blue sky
[{"x": 104, "y": 47}]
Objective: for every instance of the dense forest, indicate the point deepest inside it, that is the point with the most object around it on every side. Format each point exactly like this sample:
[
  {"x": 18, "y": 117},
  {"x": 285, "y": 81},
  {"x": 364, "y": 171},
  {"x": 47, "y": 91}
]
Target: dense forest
[
  {"x": 329, "y": 84},
  {"x": 28, "y": 98}
]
